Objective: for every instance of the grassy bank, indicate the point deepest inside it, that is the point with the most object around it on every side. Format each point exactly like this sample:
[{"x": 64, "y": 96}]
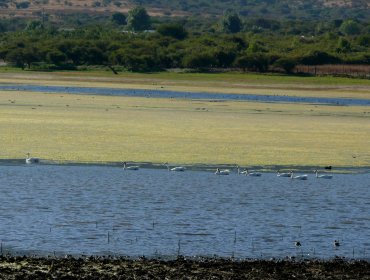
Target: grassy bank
[
  {"x": 101, "y": 268},
  {"x": 110, "y": 128}
]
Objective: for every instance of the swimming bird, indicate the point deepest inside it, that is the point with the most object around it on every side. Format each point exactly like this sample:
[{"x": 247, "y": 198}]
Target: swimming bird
[
  {"x": 299, "y": 177},
  {"x": 336, "y": 243},
  {"x": 282, "y": 174},
  {"x": 30, "y": 160},
  {"x": 242, "y": 172},
  {"x": 132, "y": 167},
  {"x": 324, "y": 176},
  {"x": 222, "y": 172},
  {"x": 297, "y": 244},
  {"x": 176, "y": 168},
  {"x": 255, "y": 174}
]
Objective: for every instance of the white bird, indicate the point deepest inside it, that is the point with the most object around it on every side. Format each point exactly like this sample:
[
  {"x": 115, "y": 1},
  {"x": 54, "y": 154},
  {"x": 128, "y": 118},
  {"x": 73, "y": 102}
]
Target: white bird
[
  {"x": 176, "y": 169},
  {"x": 255, "y": 174},
  {"x": 324, "y": 176},
  {"x": 299, "y": 177},
  {"x": 30, "y": 160},
  {"x": 242, "y": 172},
  {"x": 283, "y": 174},
  {"x": 132, "y": 167},
  {"x": 222, "y": 172}
]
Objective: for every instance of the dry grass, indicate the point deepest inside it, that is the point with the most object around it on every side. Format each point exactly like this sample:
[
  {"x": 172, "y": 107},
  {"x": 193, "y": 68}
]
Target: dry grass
[{"x": 102, "y": 128}]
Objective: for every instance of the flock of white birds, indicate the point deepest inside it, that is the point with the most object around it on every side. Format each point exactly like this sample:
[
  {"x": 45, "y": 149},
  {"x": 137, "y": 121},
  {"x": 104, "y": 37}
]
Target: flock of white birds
[{"x": 246, "y": 172}]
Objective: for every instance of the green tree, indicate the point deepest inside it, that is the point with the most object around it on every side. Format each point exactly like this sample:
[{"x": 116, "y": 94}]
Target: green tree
[
  {"x": 286, "y": 63},
  {"x": 231, "y": 23},
  {"x": 350, "y": 27},
  {"x": 16, "y": 56},
  {"x": 243, "y": 62},
  {"x": 30, "y": 55},
  {"x": 225, "y": 57},
  {"x": 364, "y": 40},
  {"x": 201, "y": 61},
  {"x": 118, "y": 18},
  {"x": 344, "y": 46},
  {"x": 317, "y": 58},
  {"x": 254, "y": 62},
  {"x": 173, "y": 30},
  {"x": 138, "y": 19},
  {"x": 56, "y": 57}
]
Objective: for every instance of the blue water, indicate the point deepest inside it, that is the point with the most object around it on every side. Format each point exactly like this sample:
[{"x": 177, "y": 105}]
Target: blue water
[
  {"x": 189, "y": 95},
  {"x": 152, "y": 212}
]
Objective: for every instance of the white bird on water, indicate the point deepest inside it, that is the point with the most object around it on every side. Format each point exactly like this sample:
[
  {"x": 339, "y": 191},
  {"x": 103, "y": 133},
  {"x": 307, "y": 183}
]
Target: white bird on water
[
  {"x": 222, "y": 172},
  {"x": 299, "y": 177},
  {"x": 176, "y": 168},
  {"x": 282, "y": 174},
  {"x": 324, "y": 176},
  {"x": 132, "y": 167},
  {"x": 30, "y": 160},
  {"x": 241, "y": 172},
  {"x": 254, "y": 174}
]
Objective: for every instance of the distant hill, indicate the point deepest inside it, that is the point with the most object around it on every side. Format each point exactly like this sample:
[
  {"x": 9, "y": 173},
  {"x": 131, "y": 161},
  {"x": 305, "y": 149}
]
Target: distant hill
[{"x": 277, "y": 9}]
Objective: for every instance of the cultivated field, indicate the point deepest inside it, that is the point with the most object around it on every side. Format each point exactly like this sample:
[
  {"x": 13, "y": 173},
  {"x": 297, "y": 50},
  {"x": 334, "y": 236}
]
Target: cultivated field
[{"x": 80, "y": 128}]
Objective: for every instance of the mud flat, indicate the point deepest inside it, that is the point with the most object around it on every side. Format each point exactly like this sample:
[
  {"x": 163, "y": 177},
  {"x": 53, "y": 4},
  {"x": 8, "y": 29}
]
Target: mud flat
[{"x": 181, "y": 268}]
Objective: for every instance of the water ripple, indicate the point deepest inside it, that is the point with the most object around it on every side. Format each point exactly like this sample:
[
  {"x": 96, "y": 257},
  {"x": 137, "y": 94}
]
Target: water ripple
[{"x": 104, "y": 209}]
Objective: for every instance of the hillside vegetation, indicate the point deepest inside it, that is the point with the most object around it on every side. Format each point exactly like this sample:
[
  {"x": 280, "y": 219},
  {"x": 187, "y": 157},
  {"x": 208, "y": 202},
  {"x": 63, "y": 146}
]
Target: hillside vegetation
[
  {"x": 271, "y": 9},
  {"x": 140, "y": 42},
  {"x": 40, "y": 48}
]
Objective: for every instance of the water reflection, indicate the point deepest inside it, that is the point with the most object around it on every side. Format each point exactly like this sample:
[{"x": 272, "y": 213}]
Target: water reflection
[{"x": 96, "y": 210}]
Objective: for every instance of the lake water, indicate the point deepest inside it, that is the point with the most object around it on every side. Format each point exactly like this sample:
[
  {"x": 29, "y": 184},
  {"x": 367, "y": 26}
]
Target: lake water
[
  {"x": 106, "y": 210},
  {"x": 268, "y": 97}
]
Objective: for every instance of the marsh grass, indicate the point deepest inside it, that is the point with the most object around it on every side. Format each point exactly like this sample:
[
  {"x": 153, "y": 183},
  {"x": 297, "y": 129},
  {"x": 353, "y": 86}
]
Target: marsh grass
[{"x": 82, "y": 128}]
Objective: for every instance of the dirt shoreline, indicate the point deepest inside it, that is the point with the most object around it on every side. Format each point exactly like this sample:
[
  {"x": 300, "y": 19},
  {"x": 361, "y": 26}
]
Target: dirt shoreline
[
  {"x": 181, "y": 268},
  {"x": 199, "y": 166}
]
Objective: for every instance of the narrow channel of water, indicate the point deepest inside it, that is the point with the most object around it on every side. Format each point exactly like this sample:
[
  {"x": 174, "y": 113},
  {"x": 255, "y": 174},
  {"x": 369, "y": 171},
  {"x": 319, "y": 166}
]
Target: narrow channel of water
[{"x": 189, "y": 95}]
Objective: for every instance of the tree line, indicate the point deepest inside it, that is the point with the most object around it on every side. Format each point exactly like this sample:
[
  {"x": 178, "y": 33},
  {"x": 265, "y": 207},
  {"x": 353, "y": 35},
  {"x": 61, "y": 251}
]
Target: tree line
[{"x": 133, "y": 43}]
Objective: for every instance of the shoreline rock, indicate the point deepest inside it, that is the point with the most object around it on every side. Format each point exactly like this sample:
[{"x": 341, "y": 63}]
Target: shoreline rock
[{"x": 181, "y": 268}]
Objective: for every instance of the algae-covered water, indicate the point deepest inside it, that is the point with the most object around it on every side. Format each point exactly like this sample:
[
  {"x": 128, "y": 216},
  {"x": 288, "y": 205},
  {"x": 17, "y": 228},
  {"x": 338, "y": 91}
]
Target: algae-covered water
[{"x": 46, "y": 209}]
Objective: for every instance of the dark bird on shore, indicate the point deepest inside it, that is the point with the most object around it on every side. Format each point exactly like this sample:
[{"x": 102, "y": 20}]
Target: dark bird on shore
[
  {"x": 328, "y": 167},
  {"x": 336, "y": 243}
]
